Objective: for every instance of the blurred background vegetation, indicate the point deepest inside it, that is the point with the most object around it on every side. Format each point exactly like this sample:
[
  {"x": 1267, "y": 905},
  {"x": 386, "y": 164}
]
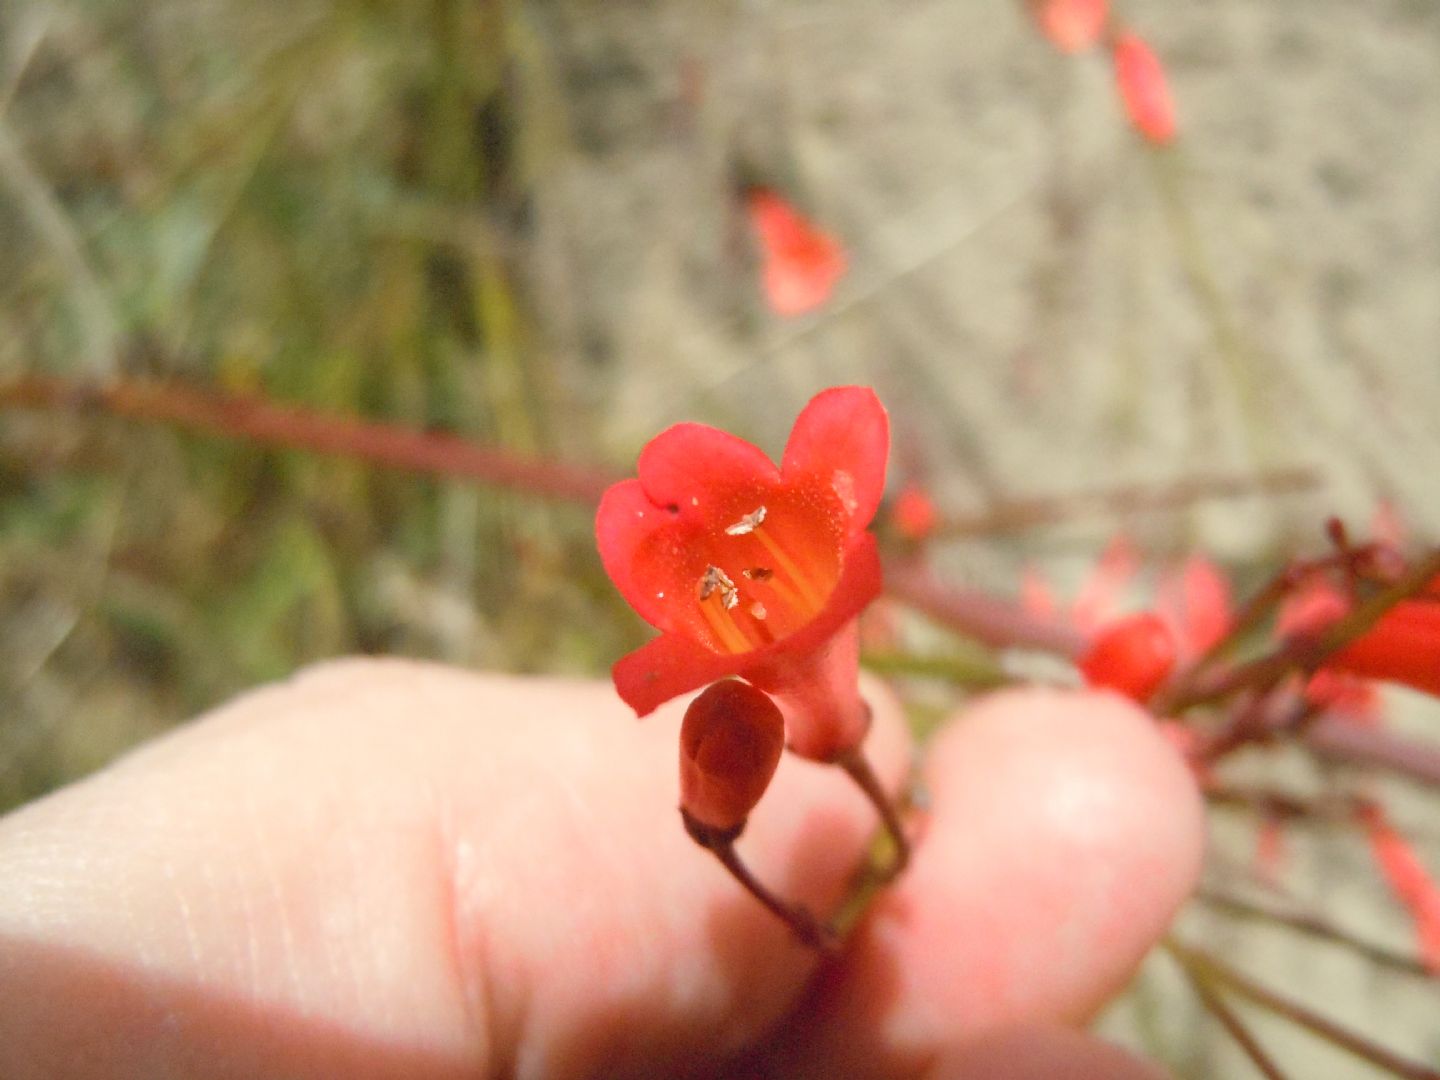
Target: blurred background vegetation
[{"x": 516, "y": 220}]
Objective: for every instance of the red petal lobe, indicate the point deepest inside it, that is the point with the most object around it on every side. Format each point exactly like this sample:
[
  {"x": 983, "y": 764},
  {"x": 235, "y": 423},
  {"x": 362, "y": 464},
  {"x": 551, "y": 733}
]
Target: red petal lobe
[
  {"x": 667, "y": 667},
  {"x": 686, "y": 464},
  {"x": 841, "y": 442}
]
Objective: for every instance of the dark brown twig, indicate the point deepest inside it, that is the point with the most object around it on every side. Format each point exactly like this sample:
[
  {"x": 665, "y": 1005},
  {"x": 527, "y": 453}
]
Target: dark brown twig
[
  {"x": 977, "y": 614},
  {"x": 1020, "y": 514}
]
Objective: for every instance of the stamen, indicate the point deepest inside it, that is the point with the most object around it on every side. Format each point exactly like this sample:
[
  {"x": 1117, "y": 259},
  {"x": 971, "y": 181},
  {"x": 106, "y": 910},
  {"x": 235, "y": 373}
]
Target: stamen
[
  {"x": 793, "y": 600},
  {"x": 713, "y": 581},
  {"x": 725, "y": 629},
  {"x": 813, "y": 600},
  {"x": 747, "y": 524},
  {"x": 767, "y": 576},
  {"x": 715, "y": 578}
]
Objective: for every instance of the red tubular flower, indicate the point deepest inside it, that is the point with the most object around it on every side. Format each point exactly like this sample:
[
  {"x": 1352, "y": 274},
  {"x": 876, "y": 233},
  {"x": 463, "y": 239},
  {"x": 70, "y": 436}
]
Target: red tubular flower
[
  {"x": 1133, "y": 656},
  {"x": 1144, "y": 90},
  {"x": 1403, "y": 647},
  {"x": 1408, "y": 880},
  {"x": 801, "y": 263},
  {"x": 752, "y": 570},
  {"x": 1071, "y": 25},
  {"x": 730, "y": 745}
]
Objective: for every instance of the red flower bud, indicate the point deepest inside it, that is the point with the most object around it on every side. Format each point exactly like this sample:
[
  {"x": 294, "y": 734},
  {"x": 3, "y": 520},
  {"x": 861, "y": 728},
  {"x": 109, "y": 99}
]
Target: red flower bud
[
  {"x": 1140, "y": 79},
  {"x": 1132, "y": 656},
  {"x": 730, "y": 745}
]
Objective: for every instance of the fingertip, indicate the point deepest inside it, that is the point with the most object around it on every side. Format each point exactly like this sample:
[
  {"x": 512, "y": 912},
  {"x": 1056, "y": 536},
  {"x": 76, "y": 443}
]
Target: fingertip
[{"x": 1063, "y": 834}]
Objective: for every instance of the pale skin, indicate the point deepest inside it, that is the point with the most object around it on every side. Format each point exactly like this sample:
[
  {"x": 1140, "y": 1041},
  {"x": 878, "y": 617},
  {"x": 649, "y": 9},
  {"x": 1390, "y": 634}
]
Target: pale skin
[{"x": 389, "y": 869}]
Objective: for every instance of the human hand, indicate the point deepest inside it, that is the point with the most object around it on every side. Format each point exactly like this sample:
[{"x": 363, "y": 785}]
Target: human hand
[{"x": 383, "y": 868}]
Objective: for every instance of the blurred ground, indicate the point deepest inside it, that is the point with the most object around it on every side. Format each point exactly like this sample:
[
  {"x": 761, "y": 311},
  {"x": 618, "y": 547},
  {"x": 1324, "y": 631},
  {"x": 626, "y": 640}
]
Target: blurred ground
[{"x": 516, "y": 221}]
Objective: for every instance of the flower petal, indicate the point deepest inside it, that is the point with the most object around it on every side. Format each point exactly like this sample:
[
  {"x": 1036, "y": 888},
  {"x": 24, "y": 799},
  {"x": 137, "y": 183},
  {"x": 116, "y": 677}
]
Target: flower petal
[
  {"x": 683, "y": 466},
  {"x": 627, "y": 518},
  {"x": 1403, "y": 647},
  {"x": 842, "y": 440},
  {"x": 672, "y": 665},
  {"x": 667, "y": 667}
]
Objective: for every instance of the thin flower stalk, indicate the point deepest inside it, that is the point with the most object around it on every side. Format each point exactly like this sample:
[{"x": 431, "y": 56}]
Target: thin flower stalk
[{"x": 1327, "y": 1029}]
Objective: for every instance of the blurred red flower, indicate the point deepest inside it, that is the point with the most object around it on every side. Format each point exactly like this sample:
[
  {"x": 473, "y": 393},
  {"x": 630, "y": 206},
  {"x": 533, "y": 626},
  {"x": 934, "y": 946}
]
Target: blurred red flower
[
  {"x": 914, "y": 515},
  {"x": 1144, "y": 90},
  {"x": 1132, "y": 656},
  {"x": 1402, "y": 647},
  {"x": 801, "y": 264},
  {"x": 1408, "y": 880},
  {"x": 1071, "y": 25}
]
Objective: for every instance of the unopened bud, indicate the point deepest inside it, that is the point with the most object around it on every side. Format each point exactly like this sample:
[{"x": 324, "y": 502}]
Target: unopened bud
[
  {"x": 730, "y": 745},
  {"x": 1132, "y": 656}
]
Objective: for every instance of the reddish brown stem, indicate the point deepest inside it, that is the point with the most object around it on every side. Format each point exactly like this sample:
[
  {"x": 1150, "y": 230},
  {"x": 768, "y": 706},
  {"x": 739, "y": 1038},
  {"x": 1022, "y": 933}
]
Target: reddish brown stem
[
  {"x": 987, "y": 618},
  {"x": 266, "y": 423},
  {"x": 1128, "y": 499},
  {"x": 977, "y": 614},
  {"x": 1312, "y": 926},
  {"x": 1356, "y": 745},
  {"x": 858, "y": 767},
  {"x": 1342, "y": 1037},
  {"x": 721, "y": 843}
]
